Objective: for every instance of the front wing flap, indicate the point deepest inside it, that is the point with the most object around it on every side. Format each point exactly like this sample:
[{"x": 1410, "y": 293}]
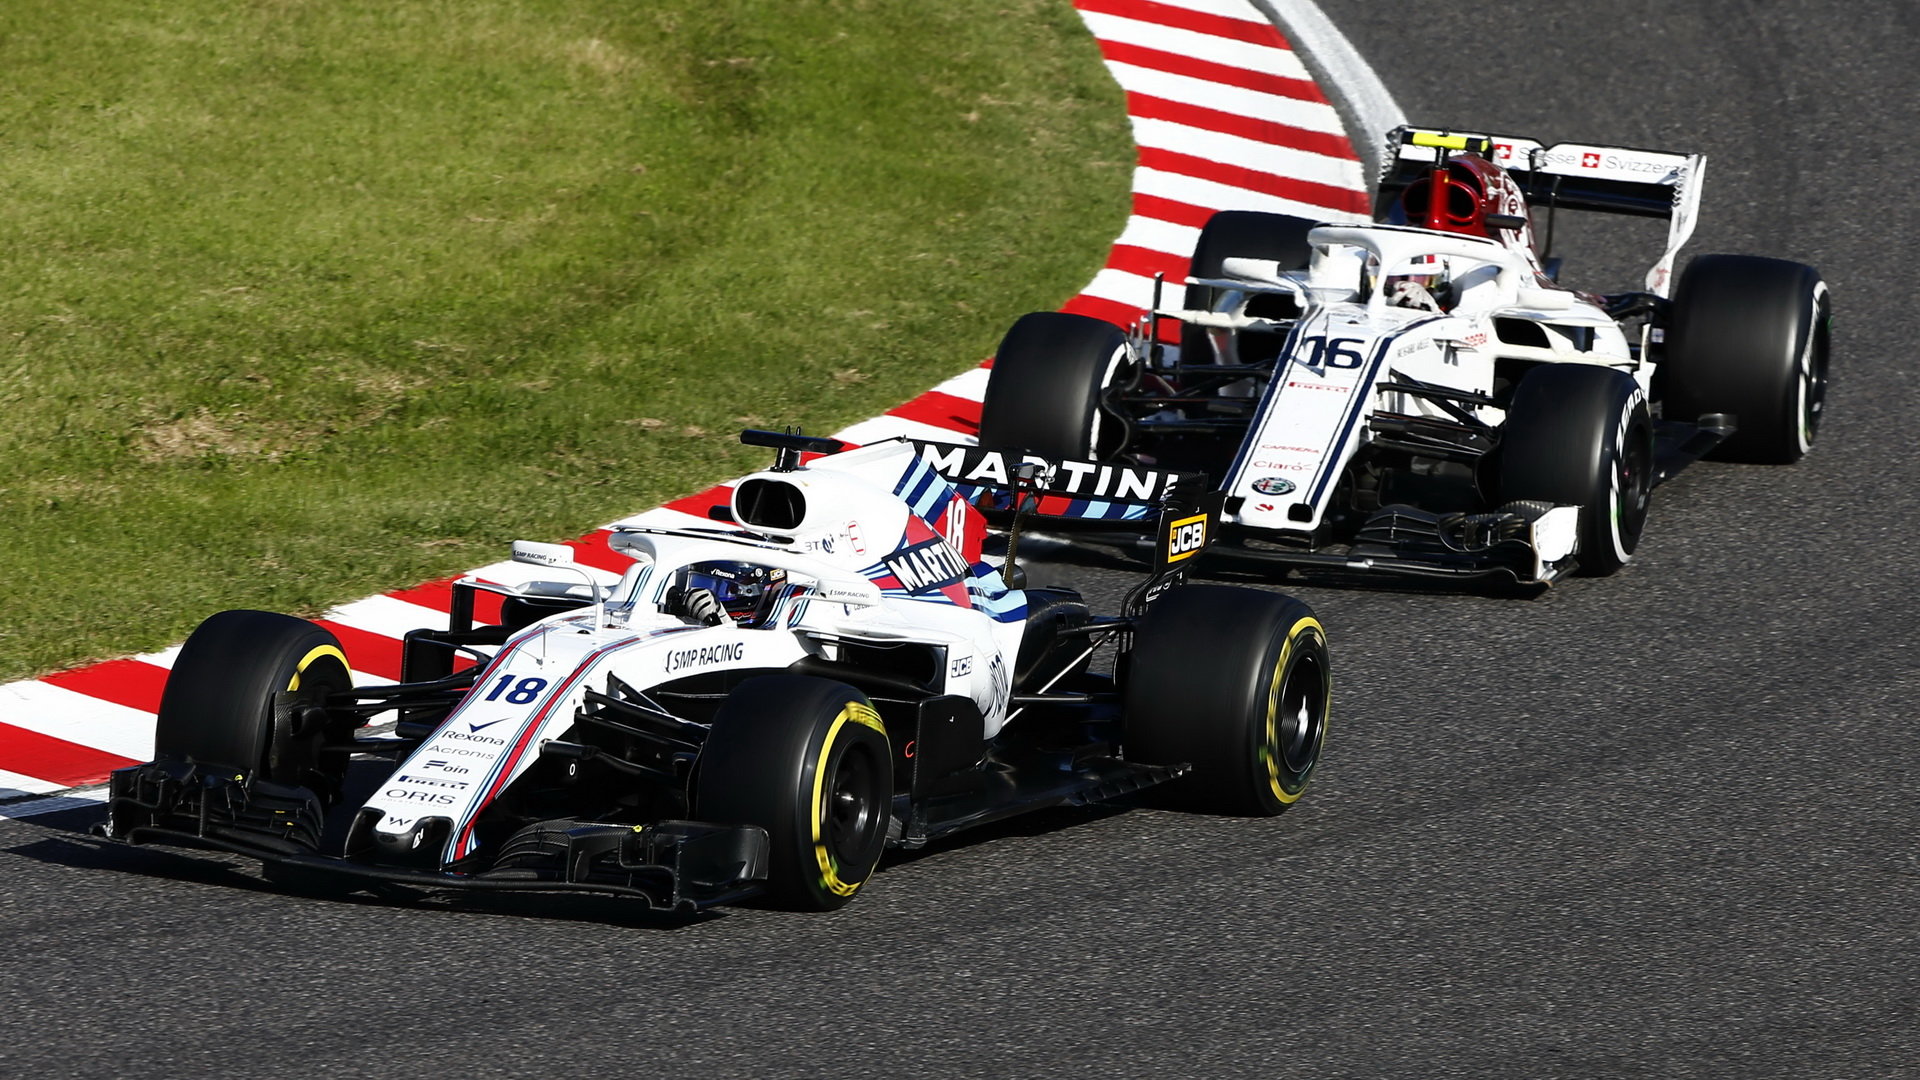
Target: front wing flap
[{"x": 678, "y": 866}]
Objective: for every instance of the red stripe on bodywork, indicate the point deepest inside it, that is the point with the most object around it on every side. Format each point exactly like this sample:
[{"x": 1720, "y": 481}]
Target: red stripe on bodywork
[
  {"x": 520, "y": 742},
  {"x": 56, "y": 761},
  {"x": 133, "y": 683}
]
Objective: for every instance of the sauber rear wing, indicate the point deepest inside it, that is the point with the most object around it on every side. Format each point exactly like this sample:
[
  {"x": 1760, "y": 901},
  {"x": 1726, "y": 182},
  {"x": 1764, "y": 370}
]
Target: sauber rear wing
[{"x": 1576, "y": 176}]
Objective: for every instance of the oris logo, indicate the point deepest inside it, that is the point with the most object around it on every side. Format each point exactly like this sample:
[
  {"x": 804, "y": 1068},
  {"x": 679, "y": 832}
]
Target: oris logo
[{"x": 410, "y": 795}]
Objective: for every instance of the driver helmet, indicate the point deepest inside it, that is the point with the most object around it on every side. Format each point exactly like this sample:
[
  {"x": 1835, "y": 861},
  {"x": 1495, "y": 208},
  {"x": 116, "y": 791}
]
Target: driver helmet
[
  {"x": 747, "y": 590},
  {"x": 1423, "y": 284}
]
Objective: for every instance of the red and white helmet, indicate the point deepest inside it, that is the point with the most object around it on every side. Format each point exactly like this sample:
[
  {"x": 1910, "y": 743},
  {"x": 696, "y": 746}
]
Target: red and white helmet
[{"x": 1461, "y": 197}]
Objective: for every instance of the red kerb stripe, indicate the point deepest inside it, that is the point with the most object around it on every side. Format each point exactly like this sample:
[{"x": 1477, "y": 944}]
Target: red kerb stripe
[
  {"x": 698, "y": 505},
  {"x": 1147, "y": 262},
  {"x": 438, "y": 595},
  {"x": 133, "y": 683},
  {"x": 1163, "y": 209},
  {"x": 1245, "y": 127},
  {"x": 1119, "y": 52},
  {"x": 56, "y": 761},
  {"x": 595, "y": 550},
  {"x": 946, "y": 411},
  {"x": 1331, "y": 196},
  {"x": 1200, "y": 22},
  {"x": 374, "y": 654}
]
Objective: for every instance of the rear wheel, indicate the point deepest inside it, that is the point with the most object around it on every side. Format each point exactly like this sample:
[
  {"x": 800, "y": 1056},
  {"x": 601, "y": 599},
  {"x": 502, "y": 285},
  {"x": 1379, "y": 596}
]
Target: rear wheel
[
  {"x": 1238, "y": 234},
  {"x": 1237, "y": 683},
  {"x": 248, "y": 694},
  {"x": 807, "y": 760},
  {"x": 1580, "y": 434},
  {"x": 1749, "y": 336},
  {"x": 1044, "y": 393}
]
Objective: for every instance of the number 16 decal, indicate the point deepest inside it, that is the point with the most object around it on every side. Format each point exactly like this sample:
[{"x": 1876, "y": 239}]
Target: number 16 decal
[{"x": 1334, "y": 353}]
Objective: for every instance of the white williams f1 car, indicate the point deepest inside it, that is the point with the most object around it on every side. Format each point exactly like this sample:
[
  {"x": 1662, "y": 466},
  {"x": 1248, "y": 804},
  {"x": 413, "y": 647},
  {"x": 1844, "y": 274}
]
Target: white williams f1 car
[
  {"x": 1420, "y": 394},
  {"x": 759, "y": 706}
]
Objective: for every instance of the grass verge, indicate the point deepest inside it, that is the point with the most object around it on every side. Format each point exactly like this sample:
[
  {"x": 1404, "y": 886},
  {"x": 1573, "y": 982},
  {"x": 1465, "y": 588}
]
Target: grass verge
[{"x": 307, "y": 299}]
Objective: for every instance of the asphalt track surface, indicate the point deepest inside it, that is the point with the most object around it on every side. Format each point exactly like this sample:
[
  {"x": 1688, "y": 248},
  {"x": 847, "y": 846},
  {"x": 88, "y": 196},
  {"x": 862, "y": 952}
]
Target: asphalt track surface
[{"x": 1658, "y": 824}]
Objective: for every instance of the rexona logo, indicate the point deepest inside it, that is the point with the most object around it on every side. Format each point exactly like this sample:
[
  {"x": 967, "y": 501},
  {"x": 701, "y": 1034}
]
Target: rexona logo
[
  {"x": 726, "y": 652},
  {"x": 1086, "y": 479},
  {"x": 468, "y": 736},
  {"x": 1185, "y": 537},
  {"x": 927, "y": 565}
]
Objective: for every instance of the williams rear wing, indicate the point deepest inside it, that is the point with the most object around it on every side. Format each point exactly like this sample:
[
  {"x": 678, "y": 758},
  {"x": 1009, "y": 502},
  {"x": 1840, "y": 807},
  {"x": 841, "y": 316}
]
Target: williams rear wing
[{"x": 1574, "y": 176}]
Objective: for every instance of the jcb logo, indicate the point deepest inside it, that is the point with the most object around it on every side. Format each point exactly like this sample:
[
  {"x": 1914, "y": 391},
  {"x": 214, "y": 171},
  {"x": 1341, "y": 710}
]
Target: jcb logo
[{"x": 1186, "y": 537}]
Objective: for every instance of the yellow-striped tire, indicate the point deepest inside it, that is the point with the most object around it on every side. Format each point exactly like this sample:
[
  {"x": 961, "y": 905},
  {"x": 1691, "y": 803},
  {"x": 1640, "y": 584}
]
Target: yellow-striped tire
[
  {"x": 807, "y": 760},
  {"x": 218, "y": 708},
  {"x": 1235, "y": 683}
]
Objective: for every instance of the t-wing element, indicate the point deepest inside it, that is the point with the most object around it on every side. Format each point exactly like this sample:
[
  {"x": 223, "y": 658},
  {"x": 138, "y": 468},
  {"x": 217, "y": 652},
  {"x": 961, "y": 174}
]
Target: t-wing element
[{"x": 790, "y": 444}]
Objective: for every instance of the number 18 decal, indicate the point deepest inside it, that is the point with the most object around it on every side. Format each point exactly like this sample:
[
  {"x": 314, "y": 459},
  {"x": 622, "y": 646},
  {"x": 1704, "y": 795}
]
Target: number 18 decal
[{"x": 523, "y": 694}]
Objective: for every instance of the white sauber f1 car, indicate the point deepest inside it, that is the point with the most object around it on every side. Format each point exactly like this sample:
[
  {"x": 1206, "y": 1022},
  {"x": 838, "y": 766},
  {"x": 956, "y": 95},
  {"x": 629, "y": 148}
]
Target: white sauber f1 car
[
  {"x": 1420, "y": 394},
  {"x": 760, "y": 706}
]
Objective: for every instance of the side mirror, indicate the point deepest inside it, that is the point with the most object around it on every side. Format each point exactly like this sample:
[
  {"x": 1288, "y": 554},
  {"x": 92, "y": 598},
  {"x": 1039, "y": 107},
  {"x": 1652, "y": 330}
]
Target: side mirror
[
  {"x": 535, "y": 553},
  {"x": 1545, "y": 299}
]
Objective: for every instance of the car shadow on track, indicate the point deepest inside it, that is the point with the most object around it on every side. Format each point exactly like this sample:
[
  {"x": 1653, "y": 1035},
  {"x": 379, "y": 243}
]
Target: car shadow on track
[{"x": 66, "y": 841}]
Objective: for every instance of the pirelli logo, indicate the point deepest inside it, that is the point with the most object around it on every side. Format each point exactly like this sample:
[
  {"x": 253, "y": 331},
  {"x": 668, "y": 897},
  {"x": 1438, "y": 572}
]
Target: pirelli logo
[{"x": 1186, "y": 537}]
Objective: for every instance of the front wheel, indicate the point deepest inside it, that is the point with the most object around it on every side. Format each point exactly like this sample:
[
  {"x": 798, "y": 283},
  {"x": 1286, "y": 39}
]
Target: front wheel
[
  {"x": 1580, "y": 434},
  {"x": 807, "y": 760},
  {"x": 1237, "y": 683},
  {"x": 248, "y": 694},
  {"x": 1044, "y": 392},
  {"x": 1238, "y": 234}
]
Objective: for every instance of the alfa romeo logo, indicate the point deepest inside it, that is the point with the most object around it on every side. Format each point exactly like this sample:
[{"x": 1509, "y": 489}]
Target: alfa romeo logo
[{"x": 1273, "y": 485}]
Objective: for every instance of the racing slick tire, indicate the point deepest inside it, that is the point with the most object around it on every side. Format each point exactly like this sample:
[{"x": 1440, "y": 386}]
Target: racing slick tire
[
  {"x": 806, "y": 759},
  {"x": 1235, "y": 682},
  {"x": 1238, "y": 234},
  {"x": 1043, "y": 394},
  {"x": 1749, "y": 336},
  {"x": 248, "y": 694},
  {"x": 1580, "y": 434}
]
